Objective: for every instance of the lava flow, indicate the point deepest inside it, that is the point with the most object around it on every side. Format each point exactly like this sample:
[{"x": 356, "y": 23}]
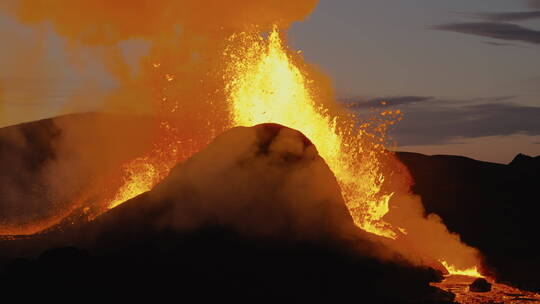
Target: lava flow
[
  {"x": 471, "y": 272},
  {"x": 498, "y": 293}
]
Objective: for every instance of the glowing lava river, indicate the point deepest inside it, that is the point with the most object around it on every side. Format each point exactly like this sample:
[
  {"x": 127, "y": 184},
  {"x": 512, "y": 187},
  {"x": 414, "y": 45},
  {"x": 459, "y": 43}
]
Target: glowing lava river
[{"x": 499, "y": 293}]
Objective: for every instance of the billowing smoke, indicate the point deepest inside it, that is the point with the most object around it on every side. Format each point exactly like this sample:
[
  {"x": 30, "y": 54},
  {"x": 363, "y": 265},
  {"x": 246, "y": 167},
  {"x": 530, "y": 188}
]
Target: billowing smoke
[
  {"x": 428, "y": 241},
  {"x": 173, "y": 90},
  {"x": 184, "y": 42},
  {"x": 424, "y": 238}
]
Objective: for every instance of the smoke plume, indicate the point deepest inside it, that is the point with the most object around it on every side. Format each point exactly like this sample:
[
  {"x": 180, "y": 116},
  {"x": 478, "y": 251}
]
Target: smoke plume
[{"x": 173, "y": 90}]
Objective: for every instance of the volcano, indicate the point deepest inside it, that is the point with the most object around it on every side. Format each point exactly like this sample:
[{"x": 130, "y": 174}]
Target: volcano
[{"x": 257, "y": 215}]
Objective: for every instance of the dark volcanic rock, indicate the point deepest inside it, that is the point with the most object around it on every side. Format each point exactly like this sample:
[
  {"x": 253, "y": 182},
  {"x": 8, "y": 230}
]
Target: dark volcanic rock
[{"x": 480, "y": 285}]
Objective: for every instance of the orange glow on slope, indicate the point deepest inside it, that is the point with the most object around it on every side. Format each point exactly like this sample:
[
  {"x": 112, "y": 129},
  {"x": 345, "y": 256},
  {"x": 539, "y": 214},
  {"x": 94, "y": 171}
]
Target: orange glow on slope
[
  {"x": 143, "y": 173},
  {"x": 32, "y": 227},
  {"x": 471, "y": 272},
  {"x": 141, "y": 177},
  {"x": 265, "y": 86}
]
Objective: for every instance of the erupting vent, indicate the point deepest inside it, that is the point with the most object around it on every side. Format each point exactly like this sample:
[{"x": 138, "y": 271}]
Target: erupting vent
[
  {"x": 265, "y": 86},
  {"x": 266, "y": 83}
]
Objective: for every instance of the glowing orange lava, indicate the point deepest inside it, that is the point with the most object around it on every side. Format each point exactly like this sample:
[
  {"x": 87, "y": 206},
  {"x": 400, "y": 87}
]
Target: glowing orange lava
[
  {"x": 264, "y": 83},
  {"x": 143, "y": 173},
  {"x": 141, "y": 176},
  {"x": 265, "y": 86},
  {"x": 471, "y": 272}
]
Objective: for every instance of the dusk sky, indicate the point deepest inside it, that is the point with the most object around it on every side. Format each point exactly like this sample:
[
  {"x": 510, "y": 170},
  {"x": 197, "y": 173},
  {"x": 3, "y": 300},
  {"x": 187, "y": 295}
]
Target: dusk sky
[{"x": 466, "y": 74}]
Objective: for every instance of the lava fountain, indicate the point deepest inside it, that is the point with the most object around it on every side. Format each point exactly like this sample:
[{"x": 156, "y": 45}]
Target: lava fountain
[
  {"x": 265, "y": 86},
  {"x": 264, "y": 82}
]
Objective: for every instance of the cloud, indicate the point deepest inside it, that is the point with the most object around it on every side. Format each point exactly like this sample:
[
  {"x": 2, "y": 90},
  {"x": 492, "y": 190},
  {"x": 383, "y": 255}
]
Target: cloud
[
  {"x": 438, "y": 125},
  {"x": 445, "y": 120},
  {"x": 510, "y": 16},
  {"x": 362, "y": 103},
  {"x": 496, "y": 30},
  {"x": 498, "y": 43}
]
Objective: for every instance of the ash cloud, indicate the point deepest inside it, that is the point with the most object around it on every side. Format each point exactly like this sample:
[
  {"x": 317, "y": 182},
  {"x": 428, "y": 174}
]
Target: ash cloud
[{"x": 185, "y": 39}]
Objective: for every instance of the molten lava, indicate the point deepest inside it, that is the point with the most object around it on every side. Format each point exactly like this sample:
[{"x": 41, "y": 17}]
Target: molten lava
[
  {"x": 265, "y": 86},
  {"x": 499, "y": 293},
  {"x": 142, "y": 175},
  {"x": 471, "y": 272}
]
